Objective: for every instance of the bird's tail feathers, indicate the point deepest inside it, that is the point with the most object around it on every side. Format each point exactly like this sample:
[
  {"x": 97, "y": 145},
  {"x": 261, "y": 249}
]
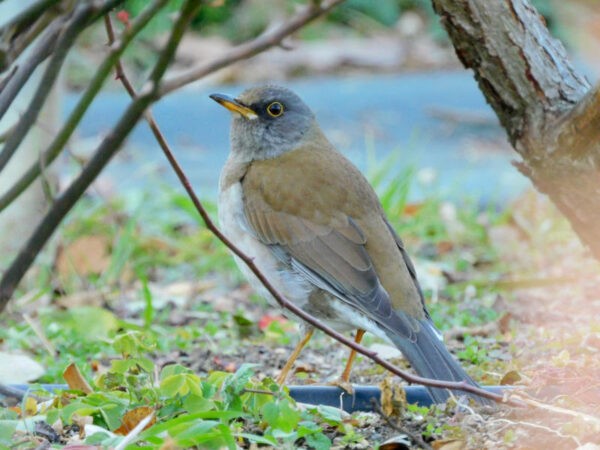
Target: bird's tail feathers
[{"x": 431, "y": 359}]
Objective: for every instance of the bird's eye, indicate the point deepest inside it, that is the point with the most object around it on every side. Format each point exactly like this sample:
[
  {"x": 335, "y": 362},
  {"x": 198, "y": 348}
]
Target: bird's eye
[{"x": 275, "y": 109}]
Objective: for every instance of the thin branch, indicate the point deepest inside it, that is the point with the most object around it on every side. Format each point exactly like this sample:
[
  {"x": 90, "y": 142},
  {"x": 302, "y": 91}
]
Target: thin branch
[
  {"x": 25, "y": 38},
  {"x": 4, "y": 81},
  {"x": 45, "y": 47},
  {"x": 107, "y": 148},
  {"x": 6, "y": 133},
  {"x": 593, "y": 420},
  {"x": 27, "y": 16},
  {"x": 244, "y": 51},
  {"x": 160, "y": 138},
  {"x": 63, "y": 45},
  {"x": 59, "y": 141}
]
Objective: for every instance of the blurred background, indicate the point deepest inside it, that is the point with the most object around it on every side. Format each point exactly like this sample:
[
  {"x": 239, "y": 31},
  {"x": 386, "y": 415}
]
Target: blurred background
[
  {"x": 381, "y": 76},
  {"x": 506, "y": 279}
]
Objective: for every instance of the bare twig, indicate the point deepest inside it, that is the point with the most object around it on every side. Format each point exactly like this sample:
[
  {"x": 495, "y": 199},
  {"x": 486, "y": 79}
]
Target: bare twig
[
  {"x": 278, "y": 297},
  {"x": 61, "y": 138},
  {"x": 6, "y": 133},
  {"x": 595, "y": 421},
  {"x": 540, "y": 427},
  {"x": 42, "y": 50},
  {"x": 244, "y": 51},
  {"x": 25, "y": 37},
  {"x": 77, "y": 23},
  {"x": 107, "y": 148},
  {"x": 26, "y": 17}
]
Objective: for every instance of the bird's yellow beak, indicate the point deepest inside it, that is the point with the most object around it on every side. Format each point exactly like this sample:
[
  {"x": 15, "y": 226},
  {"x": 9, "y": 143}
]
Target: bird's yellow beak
[{"x": 234, "y": 106}]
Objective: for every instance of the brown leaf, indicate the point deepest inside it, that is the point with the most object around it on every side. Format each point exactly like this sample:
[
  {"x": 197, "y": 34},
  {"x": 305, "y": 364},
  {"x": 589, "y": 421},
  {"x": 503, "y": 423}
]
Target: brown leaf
[
  {"x": 393, "y": 398},
  {"x": 133, "y": 417},
  {"x": 448, "y": 444},
  {"x": 504, "y": 322},
  {"x": 75, "y": 380},
  {"x": 302, "y": 367},
  {"x": 412, "y": 208},
  {"x": 400, "y": 442},
  {"x": 510, "y": 378},
  {"x": 85, "y": 256},
  {"x": 444, "y": 247}
]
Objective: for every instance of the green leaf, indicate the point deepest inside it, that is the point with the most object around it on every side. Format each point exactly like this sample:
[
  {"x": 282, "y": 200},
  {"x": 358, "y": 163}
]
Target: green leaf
[
  {"x": 173, "y": 385},
  {"x": 173, "y": 369},
  {"x": 318, "y": 441},
  {"x": 186, "y": 419},
  {"x": 281, "y": 415},
  {"x": 7, "y": 430},
  {"x": 330, "y": 414},
  {"x": 194, "y": 404},
  {"x": 270, "y": 413},
  {"x": 266, "y": 440},
  {"x": 235, "y": 384},
  {"x": 134, "y": 343}
]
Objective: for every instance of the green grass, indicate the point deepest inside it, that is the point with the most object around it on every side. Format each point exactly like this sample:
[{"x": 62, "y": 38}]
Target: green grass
[{"x": 164, "y": 241}]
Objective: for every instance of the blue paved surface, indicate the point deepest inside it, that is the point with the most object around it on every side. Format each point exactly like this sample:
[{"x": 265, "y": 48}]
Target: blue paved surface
[{"x": 383, "y": 113}]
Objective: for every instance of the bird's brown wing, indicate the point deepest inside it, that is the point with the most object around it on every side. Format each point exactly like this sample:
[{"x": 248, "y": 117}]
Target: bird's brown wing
[
  {"x": 333, "y": 259},
  {"x": 329, "y": 247}
]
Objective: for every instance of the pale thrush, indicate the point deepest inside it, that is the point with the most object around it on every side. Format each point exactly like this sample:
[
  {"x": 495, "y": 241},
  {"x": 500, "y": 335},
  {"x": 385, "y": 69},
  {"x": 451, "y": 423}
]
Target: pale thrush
[{"x": 315, "y": 227}]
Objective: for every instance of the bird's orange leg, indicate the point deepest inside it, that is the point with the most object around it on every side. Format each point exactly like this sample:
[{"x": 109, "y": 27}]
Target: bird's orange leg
[
  {"x": 345, "y": 378},
  {"x": 290, "y": 362}
]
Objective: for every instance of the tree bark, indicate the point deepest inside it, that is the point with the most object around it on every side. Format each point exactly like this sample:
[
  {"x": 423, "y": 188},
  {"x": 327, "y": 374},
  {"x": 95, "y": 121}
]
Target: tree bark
[{"x": 549, "y": 111}]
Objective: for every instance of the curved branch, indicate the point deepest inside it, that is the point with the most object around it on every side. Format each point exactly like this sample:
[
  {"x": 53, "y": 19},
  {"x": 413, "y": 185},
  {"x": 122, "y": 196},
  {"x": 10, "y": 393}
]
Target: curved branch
[{"x": 249, "y": 49}]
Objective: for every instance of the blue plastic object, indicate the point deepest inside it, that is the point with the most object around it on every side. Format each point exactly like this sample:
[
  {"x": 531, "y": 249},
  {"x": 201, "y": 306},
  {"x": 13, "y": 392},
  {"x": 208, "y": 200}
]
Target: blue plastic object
[{"x": 361, "y": 400}]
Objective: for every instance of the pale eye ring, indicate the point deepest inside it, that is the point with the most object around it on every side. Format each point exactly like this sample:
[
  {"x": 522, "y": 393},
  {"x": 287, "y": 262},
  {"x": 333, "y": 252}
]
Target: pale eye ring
[{"x": 275, "y": 109}]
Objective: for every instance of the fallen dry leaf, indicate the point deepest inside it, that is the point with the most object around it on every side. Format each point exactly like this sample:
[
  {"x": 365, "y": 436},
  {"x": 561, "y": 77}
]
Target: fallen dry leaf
[
  {"x": 412, "y": 208},
  {"x": 449, "y": 444},
  {"x": 393, "y": 398},
  {"x": 85, "y": 256},
  {"x": 133, "y": 417},
  {"x": 510, "y": 377},
  {"x": 75, "y": 380},
  {"x": 400, "y": 442}
]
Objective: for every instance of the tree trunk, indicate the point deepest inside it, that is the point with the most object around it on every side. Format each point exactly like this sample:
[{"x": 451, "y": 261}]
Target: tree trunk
[{"x": 549, "y": 112}]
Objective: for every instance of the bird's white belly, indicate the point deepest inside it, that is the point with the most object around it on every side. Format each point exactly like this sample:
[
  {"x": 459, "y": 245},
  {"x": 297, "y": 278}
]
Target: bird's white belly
[{"x": 293, "y": 286}]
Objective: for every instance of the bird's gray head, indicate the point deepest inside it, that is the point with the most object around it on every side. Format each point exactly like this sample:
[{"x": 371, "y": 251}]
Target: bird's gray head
[{"x": 267, "y": 121}]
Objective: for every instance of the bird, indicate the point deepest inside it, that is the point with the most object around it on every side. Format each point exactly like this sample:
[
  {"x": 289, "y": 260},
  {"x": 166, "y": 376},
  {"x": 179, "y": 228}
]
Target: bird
[{"x": 315, "y": 228}]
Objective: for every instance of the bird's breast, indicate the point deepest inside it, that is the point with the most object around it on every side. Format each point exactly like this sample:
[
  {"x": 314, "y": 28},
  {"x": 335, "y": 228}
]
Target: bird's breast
[{"x": 235, "y": 227}]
